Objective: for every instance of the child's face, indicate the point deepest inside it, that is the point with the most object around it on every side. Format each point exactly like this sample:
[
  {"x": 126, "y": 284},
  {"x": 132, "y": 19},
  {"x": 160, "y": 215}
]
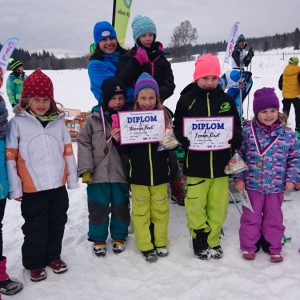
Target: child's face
[
  {"x": 39, "y": 106},
  {"x": 268, "y": 116},
  {"x": 108, "y": 45},
  {"x": 117, "y": 102},
  {"x": 208, "y": 82},
  {"x": 146, "y": 99},
  {"x": 147, "y": 39}
]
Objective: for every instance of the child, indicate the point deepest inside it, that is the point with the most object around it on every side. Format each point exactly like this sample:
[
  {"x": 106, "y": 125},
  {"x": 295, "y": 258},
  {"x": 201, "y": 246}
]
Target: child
[
  {"x": 148, "y": 56},
  {"x": 149, "y": 177},
  {"x": 272, "y": 153},
  {"x": 40, "y": 161},
  {"x": 206, "y": 200},
  {"x": 7, "y": 286},
  {"x": 102, "y": 168}
]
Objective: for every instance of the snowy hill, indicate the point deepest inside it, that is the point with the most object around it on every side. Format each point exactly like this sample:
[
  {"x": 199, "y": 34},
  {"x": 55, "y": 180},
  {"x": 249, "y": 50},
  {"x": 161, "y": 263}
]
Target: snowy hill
[{"x": 180, "y": 275}]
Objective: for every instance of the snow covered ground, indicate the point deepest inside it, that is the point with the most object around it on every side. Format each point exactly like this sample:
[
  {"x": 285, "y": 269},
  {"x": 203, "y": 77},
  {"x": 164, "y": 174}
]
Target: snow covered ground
[{"x": 180, "y": 275}]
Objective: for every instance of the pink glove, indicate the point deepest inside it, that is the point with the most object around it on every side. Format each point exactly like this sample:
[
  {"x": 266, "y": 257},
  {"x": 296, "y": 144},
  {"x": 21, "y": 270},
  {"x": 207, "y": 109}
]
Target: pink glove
[
  {"x": 115, "y": 121},
  {"x": 141, "y": 56}
]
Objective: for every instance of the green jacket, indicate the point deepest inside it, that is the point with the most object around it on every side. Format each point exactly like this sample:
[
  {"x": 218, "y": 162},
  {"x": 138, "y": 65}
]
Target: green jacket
[{"x": 14, "y": 87}]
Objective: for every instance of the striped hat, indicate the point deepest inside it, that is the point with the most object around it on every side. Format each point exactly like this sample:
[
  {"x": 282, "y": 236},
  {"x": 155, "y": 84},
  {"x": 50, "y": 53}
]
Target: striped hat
[
  {"x": 145, "y": 81},
  {"x": 14, "y": 64}
]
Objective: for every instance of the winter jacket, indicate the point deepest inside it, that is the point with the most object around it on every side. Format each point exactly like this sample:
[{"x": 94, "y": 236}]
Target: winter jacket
[
  {"x": 197, "y": 102},
  {"x": 129, "y": 69},
  {"x": 99, "y": 70},
  {"x": 14, "y": 87},
  {"x": 3, "y": 173},
  {"x": 238, "y": 56},
  {"x": 280, "y": 164},
  {"x": 289, "y": 82},
  {"x": 38, "y": 158},
  {"x": 92, "y": 143}
]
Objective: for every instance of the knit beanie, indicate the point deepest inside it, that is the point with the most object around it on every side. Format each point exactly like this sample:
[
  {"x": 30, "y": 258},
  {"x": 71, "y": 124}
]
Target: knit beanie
[
  {"x": 294, "y": 61},
  {"x": 207, "y": 65},
  {"x": 241, "y": 38},
  {"x": 142, "y": 25},
  {"x": 103, "y": 30},
  {"x": 14, "y": 64},
  {"x": 38, "y": 85},
  {"x": 111, "y": 87},
  {"x": 145, "y": 81},
  {"x": 265, "y": 98}
]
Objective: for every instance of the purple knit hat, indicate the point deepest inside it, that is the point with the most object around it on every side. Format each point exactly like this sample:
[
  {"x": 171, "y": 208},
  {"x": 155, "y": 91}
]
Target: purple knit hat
[
  {"x": 265, "y": 98},
  {"x": 145, "y": 81}
]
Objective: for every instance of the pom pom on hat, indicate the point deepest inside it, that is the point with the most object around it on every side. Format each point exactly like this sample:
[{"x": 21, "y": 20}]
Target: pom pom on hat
[
  {"x": 207, "y": 65},
  {"x": 14, "y": 64},
  {"x": 102, "y": 31},
  {"x": 111, "y": 87},
  {"x": 38, "y": 85},
  {"x": 142, "y": 25},
  {"x": 294, "y": 61},
  {"x": 145, "y": 81},
  {"x": 265, "y": 98}
]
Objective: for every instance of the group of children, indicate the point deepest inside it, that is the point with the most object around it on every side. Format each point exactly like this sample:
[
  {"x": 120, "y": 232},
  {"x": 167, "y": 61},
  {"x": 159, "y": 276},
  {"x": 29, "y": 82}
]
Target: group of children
[{"x": 40, "y": 163}]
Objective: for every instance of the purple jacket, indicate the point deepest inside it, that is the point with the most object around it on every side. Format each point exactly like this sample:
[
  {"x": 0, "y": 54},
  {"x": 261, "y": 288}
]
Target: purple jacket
[{"x": 272, "y": 156}]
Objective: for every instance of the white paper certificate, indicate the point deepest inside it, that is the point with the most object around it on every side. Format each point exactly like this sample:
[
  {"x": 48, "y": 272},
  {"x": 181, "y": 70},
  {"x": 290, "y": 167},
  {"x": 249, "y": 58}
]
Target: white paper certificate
[
  {"x": 146, "y": 126},
  {"x": 208, "y": 133}
]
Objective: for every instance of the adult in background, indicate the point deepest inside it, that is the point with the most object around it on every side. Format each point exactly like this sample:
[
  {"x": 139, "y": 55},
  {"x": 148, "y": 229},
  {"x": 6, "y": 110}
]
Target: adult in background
[
  {"x": 148, "y": 56},
  {"x": 289, "y": 84},
  {"x": 14, "y": 83},
  {"x": 103, "y": 62}
]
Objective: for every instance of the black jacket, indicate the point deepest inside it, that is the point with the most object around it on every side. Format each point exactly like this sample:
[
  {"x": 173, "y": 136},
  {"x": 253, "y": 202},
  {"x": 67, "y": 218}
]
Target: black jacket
[
  {"x": 196, "y": 102},
  {"x": 128, "y": 70}
]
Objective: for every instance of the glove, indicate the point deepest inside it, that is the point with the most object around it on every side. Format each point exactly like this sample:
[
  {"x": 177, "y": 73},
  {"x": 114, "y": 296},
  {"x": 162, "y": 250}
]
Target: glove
[
  {"x": 251, "y": 52},
  {"x": 236, "y": 142},
  {"x": 87, "y": 177},
  {"x": 141, "y": 56},
  {"x": 185, "y": 143}
]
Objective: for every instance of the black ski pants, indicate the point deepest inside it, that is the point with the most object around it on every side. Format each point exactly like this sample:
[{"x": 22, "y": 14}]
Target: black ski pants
[
  {"x": 287, "y": 107},
  {"x": 45, "y": 215}
]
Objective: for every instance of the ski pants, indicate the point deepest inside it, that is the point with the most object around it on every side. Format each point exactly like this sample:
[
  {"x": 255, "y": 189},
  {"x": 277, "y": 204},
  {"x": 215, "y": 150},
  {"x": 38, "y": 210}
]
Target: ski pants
[
  {"x": 287, "y": 107},
  {"x": 206, "y": 203},
  {"x": 150, "y": 205},
  {"x": 266, "y": 219},
  {"x": 45, "y": 215},
  {"x": 106, "y": 199}
]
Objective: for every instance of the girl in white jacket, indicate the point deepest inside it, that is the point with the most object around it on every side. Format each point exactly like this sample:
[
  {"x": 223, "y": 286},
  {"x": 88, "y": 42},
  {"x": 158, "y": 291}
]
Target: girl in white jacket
[{"x": 40, "y": 161}]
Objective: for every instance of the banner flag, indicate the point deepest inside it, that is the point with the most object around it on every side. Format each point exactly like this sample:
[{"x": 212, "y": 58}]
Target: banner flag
[
  {"x": 231, "y": 42},
  {"x": 6, "y": 52}
]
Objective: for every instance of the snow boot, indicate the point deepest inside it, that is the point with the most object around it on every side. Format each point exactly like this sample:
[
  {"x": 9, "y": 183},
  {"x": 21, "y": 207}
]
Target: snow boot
[
  {"x": 177, "y": 191},
  {"x": 100, "y": 249},
  {"x": 8, "y": 286},
  {"x": 162, "y": 251},
  {"x": 150, "y": 256},
  {"x": 38, "y": 274},
  {"x": 216, "y": 252},
  {"x": 275, "y": 258},
  {"x": 118, "y": 246},
  {"x": 248, "y": 255},
  {"x": 58, "y": 266},
  {"x": 201, "y": 249}
]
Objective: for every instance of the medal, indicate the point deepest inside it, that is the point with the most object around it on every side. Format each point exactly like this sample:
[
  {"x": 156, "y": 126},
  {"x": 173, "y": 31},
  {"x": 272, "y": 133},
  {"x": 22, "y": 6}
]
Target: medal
[
  {"x": 105, "y": 150},
  {"x": 259, "y": 164}
]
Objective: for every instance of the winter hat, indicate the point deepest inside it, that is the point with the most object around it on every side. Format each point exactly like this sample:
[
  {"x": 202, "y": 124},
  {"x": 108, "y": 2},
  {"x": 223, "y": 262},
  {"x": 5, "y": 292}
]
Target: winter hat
[
  {"x": 265, "y": 98},
  {"x": 142, "y": 25},
  {"x": 241, "y": 38},
  {"x": 14, "y": 64},
  {"x": 145, "y": 81},
  {"x": 102, "y": 31},
  {"x": 294, "y": 61},
  {"x": 207, "y": 65},
  {"x": 37, "y": 85},
  {"x": 110, "y": 87}
]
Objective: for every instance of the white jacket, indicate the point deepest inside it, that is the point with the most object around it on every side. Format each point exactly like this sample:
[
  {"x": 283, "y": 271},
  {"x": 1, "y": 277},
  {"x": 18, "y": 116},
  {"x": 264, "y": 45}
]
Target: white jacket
[{"x": 38, "y": 158}]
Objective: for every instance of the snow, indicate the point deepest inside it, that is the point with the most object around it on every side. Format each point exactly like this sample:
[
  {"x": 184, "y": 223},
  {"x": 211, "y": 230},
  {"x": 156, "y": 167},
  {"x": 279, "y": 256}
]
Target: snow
[{"x": 180, "y": 275}]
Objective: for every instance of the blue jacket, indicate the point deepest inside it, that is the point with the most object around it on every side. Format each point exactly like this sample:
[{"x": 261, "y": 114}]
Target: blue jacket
[{"x": 3, "y": 173}]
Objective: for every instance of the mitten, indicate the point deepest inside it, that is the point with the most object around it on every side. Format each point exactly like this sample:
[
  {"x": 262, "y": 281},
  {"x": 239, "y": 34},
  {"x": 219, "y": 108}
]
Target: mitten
[
  {"x": 141, "y": 56},
  {"x": 185, "y": 143},
  {"x": 115, "y": 121},
  {"x": 87, "y": 177},
  {"x": 251, "y": 52},
  {"x": 236, "y": 142}
]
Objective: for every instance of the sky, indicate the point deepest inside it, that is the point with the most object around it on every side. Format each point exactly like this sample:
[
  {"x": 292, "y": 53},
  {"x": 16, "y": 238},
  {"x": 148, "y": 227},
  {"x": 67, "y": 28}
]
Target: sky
[
  {"x": 66, "y": 26},
  {"x": 180, "y": 275}
]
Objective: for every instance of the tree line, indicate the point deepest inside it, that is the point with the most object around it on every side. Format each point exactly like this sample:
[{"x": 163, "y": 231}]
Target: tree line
[{"x": 182, "y": 47}]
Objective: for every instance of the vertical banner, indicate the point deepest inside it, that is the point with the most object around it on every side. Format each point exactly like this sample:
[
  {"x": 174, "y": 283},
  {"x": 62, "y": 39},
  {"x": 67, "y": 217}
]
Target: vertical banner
[
  {"x": 231, "y": 42},
  {"x": 6, "y": 52},
  {"x": 121, "y": 14}
]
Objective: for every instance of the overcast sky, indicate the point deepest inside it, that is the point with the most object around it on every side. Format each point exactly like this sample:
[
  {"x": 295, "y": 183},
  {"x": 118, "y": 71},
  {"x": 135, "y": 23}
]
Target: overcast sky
[{"x": 66, "y": 26}]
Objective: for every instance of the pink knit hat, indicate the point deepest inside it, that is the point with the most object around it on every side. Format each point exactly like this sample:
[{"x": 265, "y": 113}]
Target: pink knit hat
[{"x": 207, "y": 65}]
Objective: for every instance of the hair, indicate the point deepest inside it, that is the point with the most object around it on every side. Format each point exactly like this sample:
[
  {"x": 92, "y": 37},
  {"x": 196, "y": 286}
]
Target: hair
[
  {"x": 282, "y": 118},
  {"x": 98, "y": 53},
  {"x": 25, "y": 103}
]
